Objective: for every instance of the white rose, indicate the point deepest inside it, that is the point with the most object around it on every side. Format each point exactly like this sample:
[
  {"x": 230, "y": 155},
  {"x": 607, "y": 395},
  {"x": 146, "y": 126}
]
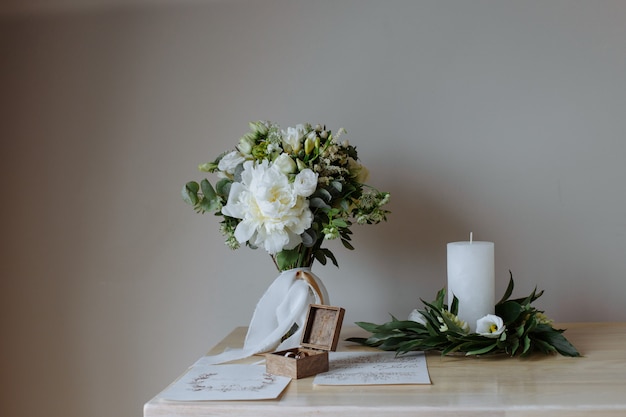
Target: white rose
[
  {"x": 285, "y": 164},
  {"x": 229, "y": 162},
  {"x": 490, "y": 326},
  {"x": 305, "y": 183}
]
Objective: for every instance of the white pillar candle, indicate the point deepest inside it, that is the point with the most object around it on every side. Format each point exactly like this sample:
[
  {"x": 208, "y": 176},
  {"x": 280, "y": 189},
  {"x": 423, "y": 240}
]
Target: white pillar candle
[{"x": 471, "y": 279}]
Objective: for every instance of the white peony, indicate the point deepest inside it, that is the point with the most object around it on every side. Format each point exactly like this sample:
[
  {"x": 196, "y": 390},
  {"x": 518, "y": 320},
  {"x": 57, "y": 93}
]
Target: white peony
[
  {"x": 305, "y": 183},
  {"x": 490, "y": 326},
  {"x": 273, "y": 214}
]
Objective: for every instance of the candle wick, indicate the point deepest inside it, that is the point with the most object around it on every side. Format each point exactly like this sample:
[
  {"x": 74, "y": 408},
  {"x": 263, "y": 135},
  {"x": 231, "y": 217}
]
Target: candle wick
[{"x": 471, "y": 237}]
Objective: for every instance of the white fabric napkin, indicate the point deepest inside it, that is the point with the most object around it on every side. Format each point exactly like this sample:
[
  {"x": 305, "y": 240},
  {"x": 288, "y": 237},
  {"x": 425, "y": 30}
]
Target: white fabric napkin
[{"x": 285, "y": 302}]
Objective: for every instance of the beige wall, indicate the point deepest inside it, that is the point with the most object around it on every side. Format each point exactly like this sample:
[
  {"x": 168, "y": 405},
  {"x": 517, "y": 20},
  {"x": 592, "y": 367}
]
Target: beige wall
[{"x": 502, "y": 118}]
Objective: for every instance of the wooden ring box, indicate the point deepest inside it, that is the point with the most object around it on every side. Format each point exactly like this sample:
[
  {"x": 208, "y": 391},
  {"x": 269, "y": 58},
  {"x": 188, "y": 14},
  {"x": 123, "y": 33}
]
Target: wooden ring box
[{"x": 320, "y": 335}]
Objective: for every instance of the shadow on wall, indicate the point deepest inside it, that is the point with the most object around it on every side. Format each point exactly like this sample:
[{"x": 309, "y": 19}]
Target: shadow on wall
[{"x": 413, "y": 239}]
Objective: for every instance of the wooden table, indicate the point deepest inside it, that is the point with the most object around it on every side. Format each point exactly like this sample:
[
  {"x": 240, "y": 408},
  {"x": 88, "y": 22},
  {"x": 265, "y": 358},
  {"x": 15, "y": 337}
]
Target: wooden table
[{"x": 592, "y": 385}]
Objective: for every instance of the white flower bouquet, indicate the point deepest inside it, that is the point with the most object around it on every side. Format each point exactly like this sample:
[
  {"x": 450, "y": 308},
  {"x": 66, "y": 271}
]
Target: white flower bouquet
[{"x": 287, "y": 191}]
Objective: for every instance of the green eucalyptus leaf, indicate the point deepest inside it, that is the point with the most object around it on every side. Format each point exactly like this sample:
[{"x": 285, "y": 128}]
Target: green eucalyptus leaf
[
  {"x": 238, "y": 171},
  {"x": 210, "y": 201},
  {"x": 207, "y": 189},
  {"x": 337, "y": 185},
  {"x": 222, "y": 187},
  {"x": 190, "y": 193},
  {"x": 323, "y": 194},
  {"x": 309, "y": 237},
  {"x": 317, "y": 202}
]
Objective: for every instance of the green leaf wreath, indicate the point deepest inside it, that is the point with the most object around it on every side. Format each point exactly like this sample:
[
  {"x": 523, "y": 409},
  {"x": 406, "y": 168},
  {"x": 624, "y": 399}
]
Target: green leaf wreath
[{"x": 526, "y": 330}]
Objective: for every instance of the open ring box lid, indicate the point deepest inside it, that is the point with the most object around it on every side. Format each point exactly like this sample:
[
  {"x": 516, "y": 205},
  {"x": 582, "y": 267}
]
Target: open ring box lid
[{"x": 319, "y": 336}]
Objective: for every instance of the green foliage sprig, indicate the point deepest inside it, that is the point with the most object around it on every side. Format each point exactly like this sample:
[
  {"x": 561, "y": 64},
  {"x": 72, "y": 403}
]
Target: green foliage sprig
[{"x": 526, "y": 330}]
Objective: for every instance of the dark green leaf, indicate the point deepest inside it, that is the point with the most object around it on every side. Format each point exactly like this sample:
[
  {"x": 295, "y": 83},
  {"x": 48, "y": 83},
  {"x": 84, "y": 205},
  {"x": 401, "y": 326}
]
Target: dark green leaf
[
  {"x": 330, "y": 255},
  {"x": 319, "y": 255},
  {"x": 514, "y": 345},
  {"x": 359, "y": 340},
  {"x": 454, "y": 308},
  {"x": 509, "y": 289},
  {"x": 399, "y": 324},
  {"x": 483, "y": 350},
  {"x": 370, "y": 327},
  {"x": 556, "y": 339},
  {"x": 509, "y": 311},
  {"x": 527, "y": 344},
  {"x": 347, "y": 244}
]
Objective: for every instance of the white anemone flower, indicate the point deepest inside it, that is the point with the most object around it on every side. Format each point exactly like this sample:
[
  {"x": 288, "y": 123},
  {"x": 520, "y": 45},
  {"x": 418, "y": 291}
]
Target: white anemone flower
[
  {"x": 273, "y": 214},
  {"x": 490, "y": 326}
]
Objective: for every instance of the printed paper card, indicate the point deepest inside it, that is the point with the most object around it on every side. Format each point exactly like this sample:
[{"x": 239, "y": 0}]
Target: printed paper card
[
  {"x": 226, "y": 382},
  {"x": 374, "y": 368}
]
